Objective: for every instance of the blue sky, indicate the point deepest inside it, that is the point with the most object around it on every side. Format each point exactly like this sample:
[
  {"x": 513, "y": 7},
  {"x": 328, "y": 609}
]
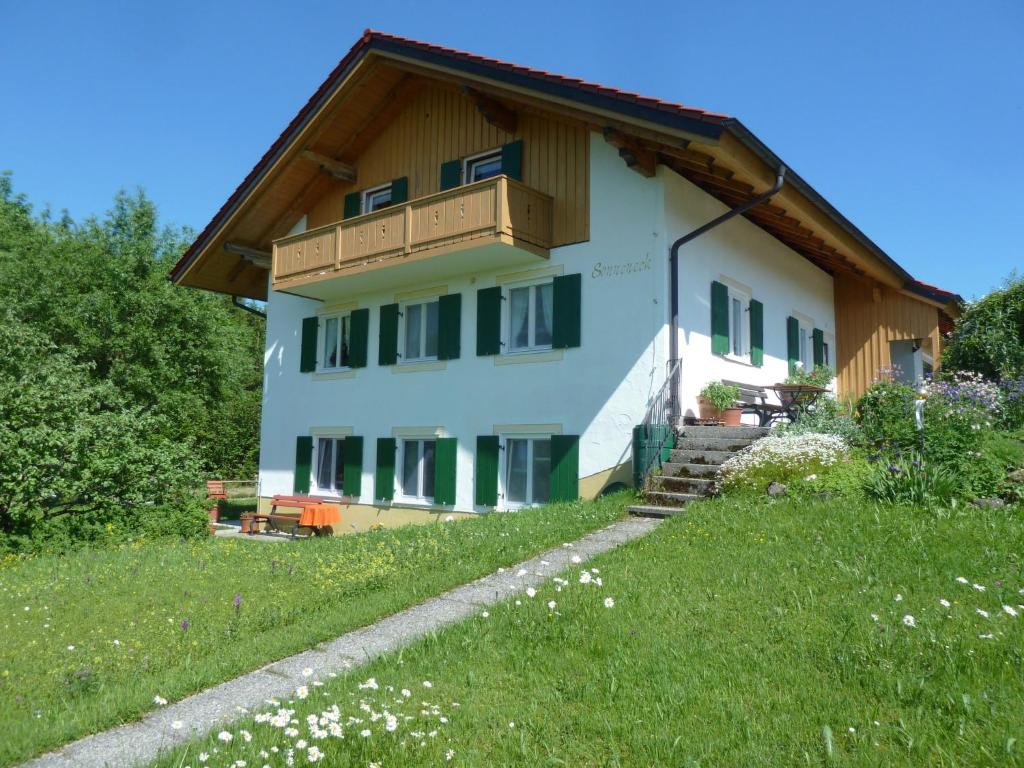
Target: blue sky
[{"x": 907, "y": 115}]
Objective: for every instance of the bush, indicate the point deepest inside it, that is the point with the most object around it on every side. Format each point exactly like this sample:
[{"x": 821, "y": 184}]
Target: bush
[
  {"x": 989, "y": 336},
  {"x": 819, "y": 376},
  {"x": 782, "y": 458},
  {"x": 827, "y": 416},
  {"x": 1012, "y": 403},
  {"x": 908, "y": 480},
  {"x": 886, "y": 416}
]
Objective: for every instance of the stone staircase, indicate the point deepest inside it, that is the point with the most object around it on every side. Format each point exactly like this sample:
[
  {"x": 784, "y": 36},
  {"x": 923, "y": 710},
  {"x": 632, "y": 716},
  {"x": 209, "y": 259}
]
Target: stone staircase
[{"x": 692, "y": 468}]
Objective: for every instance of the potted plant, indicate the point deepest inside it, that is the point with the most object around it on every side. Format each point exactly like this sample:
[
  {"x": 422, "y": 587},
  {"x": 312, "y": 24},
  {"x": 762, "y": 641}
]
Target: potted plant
[{"x": 718, "y": 403}]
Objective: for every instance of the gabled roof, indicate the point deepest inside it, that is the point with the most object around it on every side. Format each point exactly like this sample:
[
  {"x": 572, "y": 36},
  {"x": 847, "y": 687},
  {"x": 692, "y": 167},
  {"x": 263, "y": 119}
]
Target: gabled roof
[{"x": 702, "y": 126}]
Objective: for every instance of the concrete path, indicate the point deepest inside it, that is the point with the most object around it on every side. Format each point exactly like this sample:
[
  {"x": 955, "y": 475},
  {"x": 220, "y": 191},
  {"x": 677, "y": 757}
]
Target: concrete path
[{"x": 141, "y": 742}]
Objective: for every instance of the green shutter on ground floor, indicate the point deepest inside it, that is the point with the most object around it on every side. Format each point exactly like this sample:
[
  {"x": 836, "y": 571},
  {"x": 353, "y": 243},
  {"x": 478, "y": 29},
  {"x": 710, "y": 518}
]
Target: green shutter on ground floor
[
  {"x": 446, "y": 454},
  {"x": 719, "y": 318},
  {"x": 307, "y": 349},
  {"x": 303, "y": 463},
  {"x": 387, "y": 346},
  {"x": 792, "y": 343},
  {"x": 486, "y": 471},
  {"x": 566, "y": 298},
  {"x": 449, "y": 326},
  {"x": 819, "y": 346},
  {"x": 565, "y": 467},
  {"x": 352, "y": 480},
  {"x": 488, "y": 321},
  {"x": 359, "y": 332},
  {"x": 451, "y": 174},
  {"x": 756, "y": 332},
  {"x": 353, "y": 205},
  {"x": 384, "y": 482}
]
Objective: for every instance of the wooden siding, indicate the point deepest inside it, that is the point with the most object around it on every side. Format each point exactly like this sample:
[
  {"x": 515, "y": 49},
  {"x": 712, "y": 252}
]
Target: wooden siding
[
  {"x": 439, "y": 124},
  {"x": 868, "y": 317}
]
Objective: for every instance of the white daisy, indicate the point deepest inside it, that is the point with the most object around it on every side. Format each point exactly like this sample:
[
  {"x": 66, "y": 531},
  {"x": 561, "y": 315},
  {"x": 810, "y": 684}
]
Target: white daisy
[{"x": 909, "y": 621}]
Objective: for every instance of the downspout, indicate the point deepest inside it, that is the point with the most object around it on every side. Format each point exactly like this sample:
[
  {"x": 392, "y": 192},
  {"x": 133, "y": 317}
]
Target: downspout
[{"x": 673, "y": 261}]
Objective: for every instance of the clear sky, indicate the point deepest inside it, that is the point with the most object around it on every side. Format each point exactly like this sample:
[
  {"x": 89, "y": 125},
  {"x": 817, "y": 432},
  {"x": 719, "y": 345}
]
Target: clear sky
[{"x": 908, "y": 115}]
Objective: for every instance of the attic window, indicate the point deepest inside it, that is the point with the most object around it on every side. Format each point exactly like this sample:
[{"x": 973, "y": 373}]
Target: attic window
[
  {"x": 376, "y": 198},
  {"x": 480, "y": 167}
]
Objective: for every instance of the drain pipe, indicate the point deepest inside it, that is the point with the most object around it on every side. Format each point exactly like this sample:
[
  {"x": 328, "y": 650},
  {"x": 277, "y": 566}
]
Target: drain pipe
[{"x": 673, "y": 259}]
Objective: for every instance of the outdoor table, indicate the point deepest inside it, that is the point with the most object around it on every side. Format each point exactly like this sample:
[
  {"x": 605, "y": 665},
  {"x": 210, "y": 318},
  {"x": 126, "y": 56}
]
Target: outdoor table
[
  {"x": 797, "y": 398},
  {"x": 318, "y": 516}
]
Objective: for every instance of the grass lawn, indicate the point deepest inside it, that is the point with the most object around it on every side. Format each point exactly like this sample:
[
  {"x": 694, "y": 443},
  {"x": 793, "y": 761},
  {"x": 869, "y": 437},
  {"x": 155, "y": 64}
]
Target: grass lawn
[
  {"x": 90, "y": 639},
  {"x": 742, "y": 634}
]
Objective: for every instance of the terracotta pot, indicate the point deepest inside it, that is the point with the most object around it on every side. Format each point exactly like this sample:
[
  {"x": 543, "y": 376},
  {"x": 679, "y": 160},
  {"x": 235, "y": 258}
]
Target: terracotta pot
[
  {"x": 732, "y": 416},
  {"x": 213, "y": 529},
  {"x": 246, "y": 521}
]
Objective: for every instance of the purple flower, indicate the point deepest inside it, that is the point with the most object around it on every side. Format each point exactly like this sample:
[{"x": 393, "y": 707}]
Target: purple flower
[
  {"x": 238, "y": 600},
  {"x": 184, "y": 625}
]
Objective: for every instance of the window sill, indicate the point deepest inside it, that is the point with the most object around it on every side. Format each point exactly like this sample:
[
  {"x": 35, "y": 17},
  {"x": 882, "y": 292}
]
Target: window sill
[
  {"x": 745, "y": 362},
  {"x": 420, "y": 365},
  {"x": 538, "y": 356},
  {"x": 333, "y": 375},
  {"x": 421, "y": 504}
]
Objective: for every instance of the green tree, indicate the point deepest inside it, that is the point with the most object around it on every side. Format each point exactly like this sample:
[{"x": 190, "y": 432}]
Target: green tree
[{"x": 989, "y": 335}]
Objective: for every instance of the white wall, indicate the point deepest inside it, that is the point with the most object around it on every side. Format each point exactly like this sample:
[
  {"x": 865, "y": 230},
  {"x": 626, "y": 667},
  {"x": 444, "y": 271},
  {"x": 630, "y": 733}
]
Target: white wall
[
  {"x": 598, "y": 391},
  {"x": 737, "y": 251}
]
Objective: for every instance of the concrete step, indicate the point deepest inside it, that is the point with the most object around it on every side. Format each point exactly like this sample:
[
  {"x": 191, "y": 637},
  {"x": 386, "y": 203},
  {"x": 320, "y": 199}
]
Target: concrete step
[
  {"x": 752, "y": 433},
  {"x": 681, "y": 469},
  {"x": 728, "y": 444},
  {"x": 681, "y": 456},
  {"x": 671, "y": 499},
  {"x": 649, "y": 510},
  {"x": 699, "y": 485}
]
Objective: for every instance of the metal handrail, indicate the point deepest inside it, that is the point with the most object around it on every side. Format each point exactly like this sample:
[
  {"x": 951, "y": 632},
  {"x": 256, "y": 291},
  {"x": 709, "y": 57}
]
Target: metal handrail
[{"x": 657, "y": 430}]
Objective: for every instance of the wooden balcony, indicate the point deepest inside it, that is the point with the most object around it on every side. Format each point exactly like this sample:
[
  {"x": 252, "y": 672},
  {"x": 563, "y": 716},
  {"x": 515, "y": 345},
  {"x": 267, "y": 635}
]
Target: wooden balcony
[{"x": 489, "y": 224}]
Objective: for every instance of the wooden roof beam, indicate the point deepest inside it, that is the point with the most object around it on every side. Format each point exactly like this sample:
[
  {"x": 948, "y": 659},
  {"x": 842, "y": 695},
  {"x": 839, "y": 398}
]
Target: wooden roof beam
[
  {"x": 638, "y": 158},
  {"x": 334, "y": 168},
  {"x": 254, "y": 256},
  {"x": 494, "y": 112}
]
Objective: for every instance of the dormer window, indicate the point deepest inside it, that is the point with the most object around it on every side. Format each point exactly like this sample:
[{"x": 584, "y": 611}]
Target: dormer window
[
  {"x": 480, "y": 167},
  {"x": 376, "y": 198}
]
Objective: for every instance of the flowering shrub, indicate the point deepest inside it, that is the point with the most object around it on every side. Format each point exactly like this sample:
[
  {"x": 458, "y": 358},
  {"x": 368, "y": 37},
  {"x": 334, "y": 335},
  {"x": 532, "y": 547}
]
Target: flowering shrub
[
  {"x": 911, "y": 481},
  {"x": 782, "y": 458},
  {"x": 828, "y": 416},
  {"x": 1012, "y": 391},
  {"x": 886, "y": 415},
  {"x": 819, "y": 376}
]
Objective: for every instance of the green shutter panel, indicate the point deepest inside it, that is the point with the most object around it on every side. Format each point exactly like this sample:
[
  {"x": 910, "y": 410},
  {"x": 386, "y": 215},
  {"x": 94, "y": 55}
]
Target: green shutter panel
[
  {"x": 303, "y": 463},
  {"x": 756, "y": 332},
  {"x": 488, "y": 321},
  {"x": 387, "y": 349},
  {"x": 451, "y": 174},
  {"x": 446, "y": 455},
  {"x": 359, "y": 331},
  {"x": 399, "y": 190},
  {"x": 565, "y": 467},
  {"x": 566, "y": 297},
  {"x": 352, "y": 482},
  {"x": 307, "y": 351},
  {"x": 449, "y": 326},
  {"x": 353, "y": 205},
  {"x": 384, "y": 484},
  {"x": 512, "y": 159},
  {"x": 719, "y": 319},
  {"x": 818, "y": 336},
  {"x": 792, "y": 343},
  {"x": 486, "y": 471}
]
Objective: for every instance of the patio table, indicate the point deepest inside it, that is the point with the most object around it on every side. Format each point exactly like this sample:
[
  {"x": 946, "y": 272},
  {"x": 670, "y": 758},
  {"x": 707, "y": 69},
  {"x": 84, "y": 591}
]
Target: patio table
[
  {"x": 319, "y": 515},
  {"x": 795, "y": 399}
]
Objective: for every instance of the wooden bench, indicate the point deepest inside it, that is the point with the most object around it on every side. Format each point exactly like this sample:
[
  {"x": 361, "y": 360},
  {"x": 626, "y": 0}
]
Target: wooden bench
[
  {"x": 754, "y": 399},
  {"x": 295, "y": 502}
]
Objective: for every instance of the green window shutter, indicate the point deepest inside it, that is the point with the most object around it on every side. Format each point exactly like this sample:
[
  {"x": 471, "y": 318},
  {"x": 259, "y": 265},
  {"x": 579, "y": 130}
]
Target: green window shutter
[
  {"x": 486, "y": 471},
  {"x": 399, "y": 190},
  {"x": 387, "y": 348},
  {"x": 449, "y": 326},
  {"x": 384, "y": 484},
  {"x": 359, "y": 330},
  {"x": 446, "y": 454},
  {"x": 756, "y": 332},
  {"x": 512, "y": 159},
  {"x": 352, "y": 483},
  {"x": 566, "y": 297},
  {"x": 488, "y": 321},
  {"x": 451, "y": 174},
  {"x": 565, "y": 467},
  {"x": 792, "y": 343},
  {"x": 303, "y": 463},
  {"x": 719, "y": 319},
  {"x": 353, "y": 205},
  {"x": 818, "y": 336},
  {"x": 307, "y": 351}
]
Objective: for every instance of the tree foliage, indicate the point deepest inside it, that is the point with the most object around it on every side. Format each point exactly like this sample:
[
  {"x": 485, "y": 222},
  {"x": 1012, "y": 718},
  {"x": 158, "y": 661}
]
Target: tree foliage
[
  {"x": 989, "y": 336},
  {"x": 118, "y": 390}
]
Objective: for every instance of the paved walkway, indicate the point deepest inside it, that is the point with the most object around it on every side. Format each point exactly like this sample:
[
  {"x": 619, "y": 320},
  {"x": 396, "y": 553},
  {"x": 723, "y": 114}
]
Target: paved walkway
[{"x": 140, "y": 742}]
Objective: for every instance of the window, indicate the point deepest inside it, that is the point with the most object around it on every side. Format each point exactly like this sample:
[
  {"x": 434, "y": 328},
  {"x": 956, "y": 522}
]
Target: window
[
  {"x": 330, "y": 464},
  {"x": 805, "y": 350},
  {"x": 420, "y": 332},
  {"x": 482, "y": 167},
  {"x": 739, "y": 323},
  {"x": 417, "y": 478},
  {"x": 529, "y": 317},
  {"x": 376, "y": 198},
  {"x": 527, "y": 471},
  {"x": 828, "y": 354},
  {"x": 336, "y": 331}
]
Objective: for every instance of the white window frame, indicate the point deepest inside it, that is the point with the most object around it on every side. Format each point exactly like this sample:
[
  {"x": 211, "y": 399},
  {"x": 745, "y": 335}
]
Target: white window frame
[
  {"x": 742, "y": 326},
  {"x": 342, "y": 318},
  {"x": 506, "y": 317},
  {"x": 400, "y": 493},
  {"x": 805, "y": 334},
  {"x": 403, "y": 311},
  {"x": 480, "y": 158},
  {"x": 366, "y": 200},
  {"x": 334, "y": 458},
  {"x": 506, "y": 468}
]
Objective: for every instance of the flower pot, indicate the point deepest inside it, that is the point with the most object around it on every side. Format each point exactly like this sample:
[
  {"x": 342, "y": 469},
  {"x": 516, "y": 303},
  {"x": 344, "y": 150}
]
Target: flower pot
[
  {"x": 246, "y": 521},
  {"x": 730, "y": 416}
]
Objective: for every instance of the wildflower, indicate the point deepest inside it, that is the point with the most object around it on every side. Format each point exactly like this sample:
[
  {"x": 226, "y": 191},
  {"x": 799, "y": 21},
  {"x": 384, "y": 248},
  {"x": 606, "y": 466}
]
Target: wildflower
[
  {"x": 944, "y": 602},
  {"x": 511, "y": 725},
  {"x": 390, "y": 723},
  {"x": 203, "y": 757},
  {"x": 449, "y": 754},
  {"x": 909, "y": 621},
  {"x": 982, "y": 613},
  {"x": 521, "y": 572},
  {"x": 117, "y": 642},
  {"x": 314, "y": 754},
  {"x": 184, "y": 625},
  {"x": 979, "y": 587},
  {"x": 449, "y": 518},
  {"x": 988, "y": 636},
  {"x": 307, "y": 672},
  {"x": 365, "y": 733},
  {"x": 302, "y": 691},
  {"x": 406, "y": 692},
  {"x": 177, "y": 725},
  {"x": 427, "y": 684},
  {"x": 71, "y": 647},
  {"x": 159, "y": 700},
  {"x": 552, "y": 604},
  {"x": 225, "y": 736},
  {"x": 238, "y": 601},
  {"x": 371, "y": 684},
  {"x": 246, "y": 736},
  {"x": 609, "y": 602},
  {"x": 585, "y": 577},
  {"x": 874, "y": 617},
  {"x": 898, "y": 598},
  {"x": 1010, "y": 610},
  {"x": 531, "y": 592},
  {"x": 301, "y": 744},
  {"x": 576, "y": 559},
  {"x": 962, "y": 580},
  {"x": 485, "y": 614}
]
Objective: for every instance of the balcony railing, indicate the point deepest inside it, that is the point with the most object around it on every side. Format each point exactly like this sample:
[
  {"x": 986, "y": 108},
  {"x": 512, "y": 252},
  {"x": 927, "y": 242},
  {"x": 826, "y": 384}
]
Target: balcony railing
[{"x": 496, "y": 210}]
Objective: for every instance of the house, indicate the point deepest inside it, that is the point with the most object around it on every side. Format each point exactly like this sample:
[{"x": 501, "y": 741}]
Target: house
[{"x": 472, "y": 293}]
